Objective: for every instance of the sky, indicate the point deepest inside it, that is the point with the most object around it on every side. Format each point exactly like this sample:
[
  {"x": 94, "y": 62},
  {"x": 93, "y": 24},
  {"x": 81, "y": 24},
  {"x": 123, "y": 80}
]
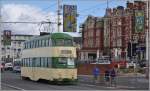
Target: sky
[{"x": 43, "y": 10}]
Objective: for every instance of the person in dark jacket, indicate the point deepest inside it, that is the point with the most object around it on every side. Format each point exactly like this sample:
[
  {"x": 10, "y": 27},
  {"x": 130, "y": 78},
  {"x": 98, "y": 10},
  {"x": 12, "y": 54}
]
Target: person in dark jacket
[
  {"x": 107, "y": 75},
  {"x": 112, "y": 76}
]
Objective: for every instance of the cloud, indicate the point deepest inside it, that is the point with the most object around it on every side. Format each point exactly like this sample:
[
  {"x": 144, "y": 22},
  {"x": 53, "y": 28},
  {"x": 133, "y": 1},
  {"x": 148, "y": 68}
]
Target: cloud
[{"x": 26, "y": 13}]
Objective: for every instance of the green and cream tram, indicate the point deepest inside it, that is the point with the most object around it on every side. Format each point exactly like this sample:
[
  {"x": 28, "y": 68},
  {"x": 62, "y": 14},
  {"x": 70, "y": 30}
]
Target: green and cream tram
[{"x": 49, "y": 57}]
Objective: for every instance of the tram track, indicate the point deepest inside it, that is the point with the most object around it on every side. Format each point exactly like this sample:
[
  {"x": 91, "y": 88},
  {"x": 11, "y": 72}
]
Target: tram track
[{"x": 11, "y": 87}]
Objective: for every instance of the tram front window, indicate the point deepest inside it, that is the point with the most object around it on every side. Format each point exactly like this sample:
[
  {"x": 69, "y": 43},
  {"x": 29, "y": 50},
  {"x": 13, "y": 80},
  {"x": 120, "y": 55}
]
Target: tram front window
[
  {"x": 65, "y": 63},
  {"x": 63, "y": 42}
]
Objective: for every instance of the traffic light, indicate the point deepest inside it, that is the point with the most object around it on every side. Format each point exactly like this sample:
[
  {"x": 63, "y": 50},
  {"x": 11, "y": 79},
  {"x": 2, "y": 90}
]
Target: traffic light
[
  {"x": 129, "y": 50},
  {"x": 132, "y": 48},
  {"x": 134, "y": 45}
]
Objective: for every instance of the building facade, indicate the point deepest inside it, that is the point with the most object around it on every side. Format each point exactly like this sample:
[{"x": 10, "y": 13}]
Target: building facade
[
  {"x": 14, "y": 50},
  {"x": 92, "y": 38},
  {"x": 120, "y": 31}
]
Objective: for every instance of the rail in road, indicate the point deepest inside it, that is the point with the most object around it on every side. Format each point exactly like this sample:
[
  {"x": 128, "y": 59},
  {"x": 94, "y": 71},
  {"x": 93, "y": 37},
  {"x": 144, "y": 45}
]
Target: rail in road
[
  {"x": 9, "y": 87},
  {"x": 12, "y": 81}
]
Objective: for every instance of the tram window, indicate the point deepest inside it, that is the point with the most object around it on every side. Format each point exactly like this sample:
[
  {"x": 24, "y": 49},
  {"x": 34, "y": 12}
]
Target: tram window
[
  {"x": 47, "y": 42},
  {"x": 37, "y": 62},
  {"x": 45, "y": 62},
  {"x": 30, "y": 62},
  {"x": 28, "y": 45},
  {"x": 59, "y": 42},
  {"x": 27, "y": 61},
  {"x": 25, "y": 45},
  {"x": 43, "y": 43},
  {"x": 37, "y": 43},
  {"x": 49, "y": 62},
  {"x": 63, "y": 61},
  {"x": 70, "y": 63},
  {"x": 33, "y": 44},
  {"x": 53, "y": 42},
  {"x": 42, "y": 63},
  {"x": 22, "y": 62},
  {"x": 33, "y": 62},
  {"x": 68, "y": 42}
]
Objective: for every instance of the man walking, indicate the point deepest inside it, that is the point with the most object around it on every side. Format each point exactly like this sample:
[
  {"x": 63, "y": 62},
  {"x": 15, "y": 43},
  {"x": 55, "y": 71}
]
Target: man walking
[
  {"x": 112, "y": 77},
  {"x": 96, "y": 73}
]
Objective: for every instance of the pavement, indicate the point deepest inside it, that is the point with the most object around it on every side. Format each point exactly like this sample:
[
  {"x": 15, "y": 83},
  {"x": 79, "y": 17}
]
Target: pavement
[{"x": 138, "y": 82}]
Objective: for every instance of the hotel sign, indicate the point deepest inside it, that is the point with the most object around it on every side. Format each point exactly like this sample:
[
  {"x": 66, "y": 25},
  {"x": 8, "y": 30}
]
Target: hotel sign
[{"x": 139, "y": 21}]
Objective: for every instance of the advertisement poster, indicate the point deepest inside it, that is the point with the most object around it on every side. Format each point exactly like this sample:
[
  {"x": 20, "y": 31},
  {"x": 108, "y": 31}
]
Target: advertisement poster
[
  {"x": 69, "y": 18},
  {"x": 139, "y": 21}
]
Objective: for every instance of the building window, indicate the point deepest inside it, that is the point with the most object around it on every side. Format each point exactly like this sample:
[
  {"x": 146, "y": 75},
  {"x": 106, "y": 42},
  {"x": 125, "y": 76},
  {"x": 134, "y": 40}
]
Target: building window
[
  {"x": 19, "y": 50},
  {"x": 8, "y": 48}
]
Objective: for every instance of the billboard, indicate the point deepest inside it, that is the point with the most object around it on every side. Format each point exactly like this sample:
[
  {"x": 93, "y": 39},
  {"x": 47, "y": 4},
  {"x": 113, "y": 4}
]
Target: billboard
[
  {"x": 69, "y": 18},
  {"x": 139, "y": 21},
  {"x": 7, "y": 37}
]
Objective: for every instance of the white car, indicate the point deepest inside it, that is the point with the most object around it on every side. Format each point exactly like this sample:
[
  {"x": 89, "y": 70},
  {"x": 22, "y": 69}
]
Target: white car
[
  {"x": 17, "y": 69},
  {"x": 8, "y": 66}
]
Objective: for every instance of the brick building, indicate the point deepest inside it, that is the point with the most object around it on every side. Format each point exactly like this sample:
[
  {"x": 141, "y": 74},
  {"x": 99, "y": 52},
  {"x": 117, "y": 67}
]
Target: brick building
[
  {"x": 92, "y": 38},
  {"x": 120, "y": 31}
]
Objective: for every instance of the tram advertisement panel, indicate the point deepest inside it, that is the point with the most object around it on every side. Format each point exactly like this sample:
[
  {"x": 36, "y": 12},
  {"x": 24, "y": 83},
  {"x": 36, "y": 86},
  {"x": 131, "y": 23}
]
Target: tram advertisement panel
[
  {"x": 69, "y": 18},
  {"x": 139, "y": 21}
]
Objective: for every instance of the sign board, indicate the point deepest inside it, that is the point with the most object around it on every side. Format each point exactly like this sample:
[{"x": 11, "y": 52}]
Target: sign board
[
  {"x": 139, "y": 21},
  {"x": 102, "y": 61},
  {"x": 69, "y": 18}
]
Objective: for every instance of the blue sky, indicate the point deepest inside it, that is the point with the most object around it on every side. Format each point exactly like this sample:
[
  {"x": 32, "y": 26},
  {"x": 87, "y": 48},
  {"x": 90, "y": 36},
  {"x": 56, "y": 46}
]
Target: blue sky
[{"x": 84, "y": 7}]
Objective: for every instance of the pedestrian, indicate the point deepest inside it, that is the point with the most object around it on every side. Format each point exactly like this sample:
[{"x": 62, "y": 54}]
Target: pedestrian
[
  {"x": 96, "y": 73},
  {"x": 107, "y": 76},
  {"x": 112, "y": 76}
]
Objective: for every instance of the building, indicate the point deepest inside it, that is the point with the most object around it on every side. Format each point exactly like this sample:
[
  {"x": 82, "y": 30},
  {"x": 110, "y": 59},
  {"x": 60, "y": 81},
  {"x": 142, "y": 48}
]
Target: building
[
  {"x": 92, "y": 38},
  {"x": 121, "y": 39},
  {"x": 138, "y": 9},
  {"x": 14, "y": 49}
]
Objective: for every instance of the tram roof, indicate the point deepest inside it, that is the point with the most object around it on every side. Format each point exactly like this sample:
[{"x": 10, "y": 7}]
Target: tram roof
[{"x": 53, "y": 36}]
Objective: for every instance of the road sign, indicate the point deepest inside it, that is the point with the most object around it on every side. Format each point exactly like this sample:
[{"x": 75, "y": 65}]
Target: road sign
[{"x": 102, "y": 61}]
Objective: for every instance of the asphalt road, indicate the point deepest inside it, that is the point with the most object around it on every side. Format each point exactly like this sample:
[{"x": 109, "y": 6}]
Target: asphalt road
[
  {"x": 13, "y": 81},
  {"x": 124, "y": 82}
]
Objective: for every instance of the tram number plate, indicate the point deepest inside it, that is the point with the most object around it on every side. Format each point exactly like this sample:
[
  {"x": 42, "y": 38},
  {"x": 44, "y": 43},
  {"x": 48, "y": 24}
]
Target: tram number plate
[{"x": 66, "y": 51}]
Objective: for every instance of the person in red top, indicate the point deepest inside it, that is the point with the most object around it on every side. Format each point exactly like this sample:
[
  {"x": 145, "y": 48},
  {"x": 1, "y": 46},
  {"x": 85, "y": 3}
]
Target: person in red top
[{"x": 2, "y": 67}]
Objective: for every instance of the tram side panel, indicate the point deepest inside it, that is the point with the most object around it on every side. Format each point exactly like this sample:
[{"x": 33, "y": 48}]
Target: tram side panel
[{"x": 36, "y": 73}]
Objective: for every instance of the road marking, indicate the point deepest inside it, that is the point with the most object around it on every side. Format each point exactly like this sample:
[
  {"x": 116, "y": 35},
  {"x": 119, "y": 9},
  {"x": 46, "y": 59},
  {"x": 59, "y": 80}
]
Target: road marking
[
  {"x": 13, "y": 86},
  {"x": 97, "y": 86},
  {"x": 116, "y": 87}
]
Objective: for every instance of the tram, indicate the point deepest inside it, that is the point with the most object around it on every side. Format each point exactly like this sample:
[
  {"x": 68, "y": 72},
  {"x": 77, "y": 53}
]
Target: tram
[{"x": 49, "y": 57}]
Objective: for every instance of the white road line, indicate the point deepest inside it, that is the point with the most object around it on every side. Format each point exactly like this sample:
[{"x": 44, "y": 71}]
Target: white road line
[
  {"x": 12, "y": 86},
  {"x": 117, "y": 87}
]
